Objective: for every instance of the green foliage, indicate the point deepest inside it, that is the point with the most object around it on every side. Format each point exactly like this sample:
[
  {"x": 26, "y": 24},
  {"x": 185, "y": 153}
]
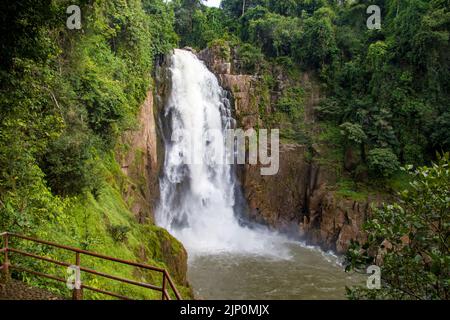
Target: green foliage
[
  {"x": 389, "y": 83},
  {"x": 382, "y": 161},
  {"x": 65, "y": 95},
  {"x": 161, "y": 26},
  {"x": 353, "y": 132},
  {"x": 199, "y": 25},
  {"x": 351, "y": 190},
  {"x": 70, "y": 164},
  {"x": 331, "y": 147},
  {"x": 392, "y": 82},
  {"x": 251, "y": 58},
  {"x": 119, "y": 232},
  {"x": 276, "y": 35},
  {"x": 415, "y": 256},
  {"x": 441, "y": 135},
  {"x": 291, "y": 102},
  {"x": 317, "y": 45},
  {"x": 111, "y": 64},
  {"x": 222, "y": 48}
]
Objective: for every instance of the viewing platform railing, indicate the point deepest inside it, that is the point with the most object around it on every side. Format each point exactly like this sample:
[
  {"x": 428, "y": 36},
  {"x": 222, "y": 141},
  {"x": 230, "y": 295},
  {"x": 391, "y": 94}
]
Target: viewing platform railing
[{"x": 77, "y": 292}]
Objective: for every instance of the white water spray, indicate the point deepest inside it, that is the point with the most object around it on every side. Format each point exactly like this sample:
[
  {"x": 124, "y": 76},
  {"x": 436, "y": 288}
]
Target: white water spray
[{"x": 198, "y": 201}]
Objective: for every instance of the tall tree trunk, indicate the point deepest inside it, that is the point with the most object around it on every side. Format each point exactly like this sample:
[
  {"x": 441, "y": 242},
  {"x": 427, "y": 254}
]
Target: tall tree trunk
[
  {"x": 363, "y": 152},
  {"x": 243, "y": 7}
]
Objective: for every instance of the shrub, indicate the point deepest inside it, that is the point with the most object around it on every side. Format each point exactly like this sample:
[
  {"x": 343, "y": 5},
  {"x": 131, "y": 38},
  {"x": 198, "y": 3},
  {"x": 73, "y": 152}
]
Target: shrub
[
  {"x": 250, "y": 58},
  {"x": 221, "y": 47},
  {"x": 291, "y": 102},
  {"x": 70, "y": 164},
  {"x": 353, "y": 132},
  {"x": 382, "y": 161},
  {"x": 415, "y": 263},
  {"x": 119, "y": 232}
]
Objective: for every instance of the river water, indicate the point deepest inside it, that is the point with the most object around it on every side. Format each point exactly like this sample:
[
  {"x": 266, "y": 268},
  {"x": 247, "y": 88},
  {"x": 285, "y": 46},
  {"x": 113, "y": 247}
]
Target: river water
[
  {"x": 308, "y": 274},
  {"x": 199, "y": 206}
]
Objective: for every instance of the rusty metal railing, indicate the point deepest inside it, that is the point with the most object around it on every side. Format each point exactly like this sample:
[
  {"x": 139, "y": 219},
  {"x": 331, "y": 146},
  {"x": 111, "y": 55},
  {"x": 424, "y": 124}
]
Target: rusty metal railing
[{"x": 77, "y": 292}]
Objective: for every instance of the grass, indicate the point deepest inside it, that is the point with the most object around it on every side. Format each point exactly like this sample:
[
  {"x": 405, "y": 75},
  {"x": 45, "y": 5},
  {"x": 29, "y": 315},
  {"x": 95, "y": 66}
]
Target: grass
[
  {"x": 348, "y": 189},
  {"x": 399, "y": 181}
]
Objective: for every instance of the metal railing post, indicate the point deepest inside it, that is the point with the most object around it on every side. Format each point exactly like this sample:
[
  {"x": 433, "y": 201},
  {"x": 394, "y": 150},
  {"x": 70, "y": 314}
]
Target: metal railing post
[
  {"x": 164, "y": 286},
  {"x": 6, "y": 264},
  {"x": 77, "y": 293}
]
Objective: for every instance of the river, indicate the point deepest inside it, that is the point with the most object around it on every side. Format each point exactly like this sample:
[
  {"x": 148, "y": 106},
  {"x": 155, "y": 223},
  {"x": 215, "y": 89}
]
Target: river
[{"x": 308, "y": 274}]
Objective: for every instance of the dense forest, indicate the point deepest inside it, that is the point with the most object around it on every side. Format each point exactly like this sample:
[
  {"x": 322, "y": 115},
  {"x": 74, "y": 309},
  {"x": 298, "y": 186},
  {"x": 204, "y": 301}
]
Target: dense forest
[
  {"x": 387, "y": 89},
  {"x": 66, "y": 96}
]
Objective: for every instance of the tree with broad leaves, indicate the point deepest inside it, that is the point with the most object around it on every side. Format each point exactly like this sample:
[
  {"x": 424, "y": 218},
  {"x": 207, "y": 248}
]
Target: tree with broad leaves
[{"x": 410, "y": 240}]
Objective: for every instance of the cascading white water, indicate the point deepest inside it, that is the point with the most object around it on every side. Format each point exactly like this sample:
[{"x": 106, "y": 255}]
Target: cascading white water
[{"x": 198, "y": 198}]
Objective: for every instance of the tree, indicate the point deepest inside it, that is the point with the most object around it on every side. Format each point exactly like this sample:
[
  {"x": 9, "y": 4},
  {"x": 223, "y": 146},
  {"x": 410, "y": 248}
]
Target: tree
[
  {"x": 382, "y": 161},
  {"x": 409, "y": 240},
  {"x": 236, "y": 9},
  {"x": 162, "y": 21},
  {"x": 70, "y": 164},
  {"x": 317, "y": 45},
  {"x": 250, "y": 58},
  {"x": 275, "y": 34},
  {"x": 354, "y": 134}
]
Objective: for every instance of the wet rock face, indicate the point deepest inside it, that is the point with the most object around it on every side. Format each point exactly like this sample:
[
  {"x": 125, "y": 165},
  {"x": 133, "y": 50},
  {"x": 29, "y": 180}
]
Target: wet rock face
[
  {"x": 300, "y": 199},
  {"x": 278, "y": 200},
  {"x": 332, "y": 222},
  {"x": 139, "y": 162},
  {"x": 241, "y": 86},
  {"x": 243, "y": 92}
]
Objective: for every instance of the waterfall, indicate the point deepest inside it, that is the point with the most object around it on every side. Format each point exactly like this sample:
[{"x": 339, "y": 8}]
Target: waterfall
[{"x": 198, "y": 198}]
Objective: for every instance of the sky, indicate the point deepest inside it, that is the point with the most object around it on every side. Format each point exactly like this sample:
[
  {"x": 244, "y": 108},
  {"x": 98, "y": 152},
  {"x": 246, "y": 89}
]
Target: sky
[
  {"x": 212, "y": 3},
  {"x": 209, "y": 3}
]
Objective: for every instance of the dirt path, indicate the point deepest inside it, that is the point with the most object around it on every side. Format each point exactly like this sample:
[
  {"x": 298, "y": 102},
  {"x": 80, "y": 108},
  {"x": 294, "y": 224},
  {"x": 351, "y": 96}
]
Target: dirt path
[{"x": 16, "y": 290}]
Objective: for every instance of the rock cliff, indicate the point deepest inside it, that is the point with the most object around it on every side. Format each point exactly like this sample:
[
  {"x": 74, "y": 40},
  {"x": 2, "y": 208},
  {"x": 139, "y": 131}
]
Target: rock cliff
[
  {"x": 301, "y": 199},
  {"x": 139, "y": 162}
]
